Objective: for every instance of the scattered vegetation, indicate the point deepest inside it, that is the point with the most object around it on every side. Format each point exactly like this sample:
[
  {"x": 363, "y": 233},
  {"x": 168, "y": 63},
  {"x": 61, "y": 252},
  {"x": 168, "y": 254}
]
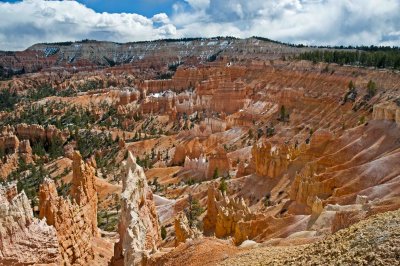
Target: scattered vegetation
[
  {"x": 29, "y": 178},
  {"x": 193, "y": 211},
  {"x": 270, "y": 130},
  {"x": 8, "y": 99},
  {"x": 284, "y": 114},
  {"x": 107, "y": 220},
  {"x": 351, "y": 94},
  {"x": 267, "y": 200},
  {"x": 371, "y": 90},
  {"x": 223, "y": 186}
]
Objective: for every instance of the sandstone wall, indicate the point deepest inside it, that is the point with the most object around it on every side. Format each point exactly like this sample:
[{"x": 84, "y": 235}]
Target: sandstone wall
[
  {"x": 192, "y": 149},
  {"x": 386, "y": 111},
  {"x": 9, "y": 143},
  {"x": 37, "y": 132}
]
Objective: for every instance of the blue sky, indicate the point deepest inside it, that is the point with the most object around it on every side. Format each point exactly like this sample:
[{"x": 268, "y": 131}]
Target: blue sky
[
  {"x": 144, "y": 7},
  {"x": 147, "y": 8},
  {"x": 316, "y": 22}
]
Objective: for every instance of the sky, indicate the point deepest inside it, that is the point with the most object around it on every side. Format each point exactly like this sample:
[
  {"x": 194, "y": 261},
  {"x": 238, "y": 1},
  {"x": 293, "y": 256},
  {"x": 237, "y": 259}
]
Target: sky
[{"x": 312, "y": 22}]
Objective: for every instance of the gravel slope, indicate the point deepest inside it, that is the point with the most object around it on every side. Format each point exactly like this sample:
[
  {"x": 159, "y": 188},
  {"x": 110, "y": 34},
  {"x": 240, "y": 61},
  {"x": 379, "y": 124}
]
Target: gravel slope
[{"x": 375, "y": 241}]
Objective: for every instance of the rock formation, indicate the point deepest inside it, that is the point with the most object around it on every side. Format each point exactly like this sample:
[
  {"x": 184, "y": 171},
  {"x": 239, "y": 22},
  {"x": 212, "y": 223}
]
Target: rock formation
[
  {"x": 192, "y": 149},
  {"x": 39, "y": 133},
  {"x": 241, "y": 169},
  {"x": 306, "y": 185},
  {"x": 75, "y": 218},
  {"x": 182, "y": 229},
  {"x": 25, "y": 151},
  {"x": 198, "y": 166},
  {"x": 386, "y": 111},
  {"x": 138, "y": 225},
  {"x": 218, "y": 160},
  {"x": 83, "y": 189},
  {"x": 24, "y": 240},
  {"x": 224, "y": 213},
  {"x": 128, "y": 95},
  {"x": 270, "y": 161},
  {"x": 9, "y": 143}
]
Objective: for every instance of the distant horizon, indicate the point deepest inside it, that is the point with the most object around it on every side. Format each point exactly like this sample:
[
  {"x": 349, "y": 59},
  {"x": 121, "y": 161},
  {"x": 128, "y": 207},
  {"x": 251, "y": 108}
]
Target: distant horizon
[
  {"x": 308, "y": 22},
  {"x": 186, "y": 39}
]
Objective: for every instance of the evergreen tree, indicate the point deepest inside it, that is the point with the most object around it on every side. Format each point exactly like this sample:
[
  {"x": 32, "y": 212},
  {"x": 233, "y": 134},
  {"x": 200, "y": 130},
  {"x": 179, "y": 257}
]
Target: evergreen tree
[
  {"x": 223, "y": 186},
  {"x": 193, "y": 211},
  {"x": 216, "y": 174},
  {"x": 163, "y": 232},
  {"x": 371, "y": 89}
]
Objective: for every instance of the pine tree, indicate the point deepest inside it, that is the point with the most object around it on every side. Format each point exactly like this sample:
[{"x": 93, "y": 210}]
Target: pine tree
[
  {"x": 371, "y": 89},
  {"x": 223, "y": 186},
  {"x": 216, "y": 174},
  {"x": 193, "y": 211}
]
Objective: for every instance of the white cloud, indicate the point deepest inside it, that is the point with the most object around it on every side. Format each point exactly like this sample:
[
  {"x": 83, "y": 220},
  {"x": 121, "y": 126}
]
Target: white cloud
[
  {"x": 32, "y": 21},
  {"x": 160, "y": 18},
  {"x": 335, "y": 22}
]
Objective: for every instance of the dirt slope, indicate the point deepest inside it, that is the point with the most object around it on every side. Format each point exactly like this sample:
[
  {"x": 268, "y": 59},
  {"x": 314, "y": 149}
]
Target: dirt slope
[{"x": 375, "y": 241}]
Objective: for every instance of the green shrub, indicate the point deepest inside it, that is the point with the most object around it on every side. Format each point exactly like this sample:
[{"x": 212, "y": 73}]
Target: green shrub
[{"x": 163, "y": 232}]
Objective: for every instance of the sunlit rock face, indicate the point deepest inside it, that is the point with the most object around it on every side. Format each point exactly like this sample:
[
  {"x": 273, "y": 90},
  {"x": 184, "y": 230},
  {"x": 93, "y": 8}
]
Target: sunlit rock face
[
  {"x": 218, "y": 162},
  {"x": 224, "y": 214},
  {"x": 138, "y": 224},
  {"x": 24, "y": 239},
  {"x": 389, "y": 111},
  {"x": 270, "y": 161},
  {"x": 74, "y": 218}
]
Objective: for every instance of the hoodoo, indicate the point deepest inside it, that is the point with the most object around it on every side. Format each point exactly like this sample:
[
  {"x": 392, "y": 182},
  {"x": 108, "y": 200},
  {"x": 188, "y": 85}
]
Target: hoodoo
[{"x": 138, "y": 228}]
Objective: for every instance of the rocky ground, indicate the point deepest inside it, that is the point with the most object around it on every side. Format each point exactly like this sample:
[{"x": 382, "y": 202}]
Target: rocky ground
[{"x": 375, "y": 241}]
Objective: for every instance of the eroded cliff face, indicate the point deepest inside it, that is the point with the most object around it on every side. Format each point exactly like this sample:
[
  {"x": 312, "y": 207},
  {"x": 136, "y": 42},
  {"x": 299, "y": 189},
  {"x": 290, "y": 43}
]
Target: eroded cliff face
[
  {"x": 138, "y": 227},
  {"x": 24, "y": 239},
  {"x": 16, "y": 140},
  {"x": 388, "y": 111},
  {"x": 74, "y": 218},
  {"x": 39, "y": 133},
  {"x": 224, "y": 213},
  {"x": 144, "y": 55},
  {"x": 270, "y": 161}
]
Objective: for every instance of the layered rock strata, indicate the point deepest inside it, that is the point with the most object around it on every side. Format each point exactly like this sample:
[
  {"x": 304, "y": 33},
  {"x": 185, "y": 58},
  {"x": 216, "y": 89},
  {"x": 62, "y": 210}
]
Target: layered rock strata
[{"x": 386, "y": 111}]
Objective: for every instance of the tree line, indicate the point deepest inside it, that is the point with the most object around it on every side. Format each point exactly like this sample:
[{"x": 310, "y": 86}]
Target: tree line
[{"x": 379, "y": 57}]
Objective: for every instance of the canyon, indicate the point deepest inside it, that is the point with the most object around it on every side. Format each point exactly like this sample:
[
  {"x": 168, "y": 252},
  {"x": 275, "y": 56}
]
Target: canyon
[{"x": 196, "y": 151}]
